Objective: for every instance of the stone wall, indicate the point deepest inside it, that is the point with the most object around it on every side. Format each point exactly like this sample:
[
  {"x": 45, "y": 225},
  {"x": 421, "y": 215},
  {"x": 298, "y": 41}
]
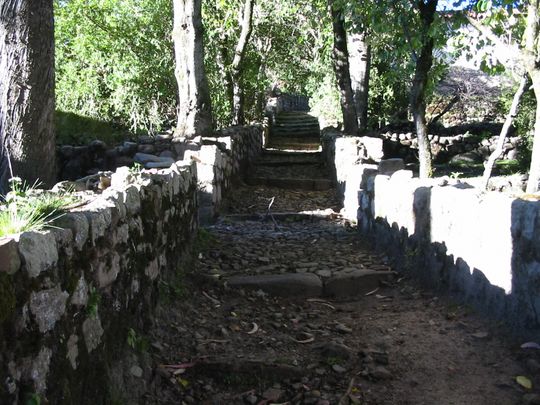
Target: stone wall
[
  {"x": 471, "y": 148},
  {"x": 482, "y": 247},
  {"x": 70, "y": 295},
  {"x": 285, "y": 102},
  {"x": 220, "y": 159}
]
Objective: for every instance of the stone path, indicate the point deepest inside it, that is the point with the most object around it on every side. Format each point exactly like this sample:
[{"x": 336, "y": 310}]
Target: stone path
[{"x": 288, "y": 308}]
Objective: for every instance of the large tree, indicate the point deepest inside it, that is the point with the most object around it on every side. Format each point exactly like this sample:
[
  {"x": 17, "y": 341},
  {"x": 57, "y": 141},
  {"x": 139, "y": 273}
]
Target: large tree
[
  {"x": 424, "y": 62},
  {"x": 359, "y": 67},
  {"x": 341, "y": 67},
  {"x": 194, "y": 107},
  {"x": 27, "y": 91},
  {"x": 237, "y": 65}
]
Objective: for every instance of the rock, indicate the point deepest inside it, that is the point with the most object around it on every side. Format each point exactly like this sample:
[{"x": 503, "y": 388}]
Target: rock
[
  {"x": 80, "y": 295},
  {"x": 128, "y": 148},
  {"x": 284, "y": 285},
  {"x": 339, "y": 369},
  {"x": 373, "y": 147},
  {"x": 336, "y": 350},
  {"x": 48, "y": 306},
  {"x": 144, "y": 158},
  {"x": 272, "y": 394},
  {"x": 147, "y": 149},
  {"x": 389, "y": 166},
  {"x": 122, "y": 177},
  {"x": 167, "y": 154},
  {"x": 381, "y": 373},
  {"x": 73, "y": 350},
  {"x": 342, "y": 328},
  {"x": 165, "y": 163},
  {"x": 79, "y": 226},
  {"x": 347, "y": 283},
  {"x": 39, "y": 251},
  {"x": 40, "y": 369},
  {"x": 466, "y": 158},
  {"x": 10, "y": 262},
  {"x": 136, "y": 371},
  {"x": 251, "y": 399},
  {"x": 92, "y": 332}
]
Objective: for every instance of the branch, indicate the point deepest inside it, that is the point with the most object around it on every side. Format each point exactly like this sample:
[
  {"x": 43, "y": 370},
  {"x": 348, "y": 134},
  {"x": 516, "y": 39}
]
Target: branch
[
  {"x": 515, "y": 52},
  {"x": 448, "y": 107}
]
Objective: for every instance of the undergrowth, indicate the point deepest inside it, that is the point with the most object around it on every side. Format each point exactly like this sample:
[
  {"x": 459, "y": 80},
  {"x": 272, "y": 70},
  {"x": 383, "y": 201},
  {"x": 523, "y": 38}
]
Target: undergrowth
[{"x": 28, "y": 209}]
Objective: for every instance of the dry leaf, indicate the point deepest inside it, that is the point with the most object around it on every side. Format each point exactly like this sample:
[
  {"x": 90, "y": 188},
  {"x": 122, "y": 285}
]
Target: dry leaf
[{"x": 524, "y": 382}]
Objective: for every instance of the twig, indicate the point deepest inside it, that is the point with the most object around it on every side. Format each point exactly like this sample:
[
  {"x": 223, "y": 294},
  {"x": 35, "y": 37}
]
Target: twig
[{"x": 344, "y": 399}]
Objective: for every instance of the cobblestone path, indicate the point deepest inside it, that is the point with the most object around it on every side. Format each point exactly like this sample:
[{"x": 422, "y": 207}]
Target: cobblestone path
[{"x": 288, "y": 308}]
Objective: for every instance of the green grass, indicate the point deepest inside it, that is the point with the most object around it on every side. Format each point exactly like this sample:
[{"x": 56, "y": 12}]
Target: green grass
[
  {"x": 29, "y": 209},
  {"x": 74, "y": 129}
]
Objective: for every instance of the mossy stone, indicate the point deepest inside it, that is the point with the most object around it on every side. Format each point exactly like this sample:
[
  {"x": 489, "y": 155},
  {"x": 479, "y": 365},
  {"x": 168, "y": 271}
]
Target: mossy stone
[{"x": 7, "y": 297}]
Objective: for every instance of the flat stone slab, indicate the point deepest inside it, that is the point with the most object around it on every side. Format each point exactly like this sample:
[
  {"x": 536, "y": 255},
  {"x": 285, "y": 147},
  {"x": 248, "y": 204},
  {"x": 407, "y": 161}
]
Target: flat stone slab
[
  {"x": 282, "y": 285},
  {"x": 292, "y": 184},
  {"x": 349, "y": 283}
]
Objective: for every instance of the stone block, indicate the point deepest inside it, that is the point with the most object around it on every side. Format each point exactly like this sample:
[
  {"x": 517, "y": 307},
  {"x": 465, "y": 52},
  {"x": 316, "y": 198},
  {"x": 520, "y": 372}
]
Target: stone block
[
  {"x": 283, "y": 285},
  {"x": 354, "y": 283},
  {"x": 10, "y": 262},
  {"x": 389, "y": 166},
  {"x": 92, "y": 332},
  {"x": 48, "y": 306},
  {"x": 38, "y": 251}
]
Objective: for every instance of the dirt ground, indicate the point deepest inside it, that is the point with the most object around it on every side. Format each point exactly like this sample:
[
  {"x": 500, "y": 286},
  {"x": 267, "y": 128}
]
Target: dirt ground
[{"x": 397, "y": 344}]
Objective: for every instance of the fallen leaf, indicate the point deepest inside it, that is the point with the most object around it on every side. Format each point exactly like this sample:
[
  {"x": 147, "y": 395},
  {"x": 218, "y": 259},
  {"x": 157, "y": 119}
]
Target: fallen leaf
[
  {"x": 530, "y": 345},
  {"x": 524, "y": 382},
  {"x": 372, "y": 292},
  {"x": 480, "y": 335},
  {"x": 254, "y": 329}
]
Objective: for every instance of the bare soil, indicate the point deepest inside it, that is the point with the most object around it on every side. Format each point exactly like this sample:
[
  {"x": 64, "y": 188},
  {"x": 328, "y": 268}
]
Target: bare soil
[{"x": 397, "y": 345}]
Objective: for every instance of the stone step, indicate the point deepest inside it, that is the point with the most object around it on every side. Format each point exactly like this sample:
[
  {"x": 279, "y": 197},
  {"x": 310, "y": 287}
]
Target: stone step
[
  {"x": 296, "y": 124},
  {"x": 295, "y": 133},
  {"x": 294, "y": 143},
  {"x": 291, "y": 184},
  {"x": 286, "y": 158},
  {"x": 344, "y": 284},
  {"x": 282, "y": 285}
]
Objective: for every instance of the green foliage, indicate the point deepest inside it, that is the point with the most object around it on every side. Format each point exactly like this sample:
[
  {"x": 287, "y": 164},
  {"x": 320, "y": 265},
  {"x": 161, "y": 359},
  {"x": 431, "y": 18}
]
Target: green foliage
[
  {"x": 75, "y": 129},
  {"x": 28, "y": 209},
  {"x": 114, "y": 61},
  {"x": 94, "y": 300},
  {"x": 137, "y": 342}
]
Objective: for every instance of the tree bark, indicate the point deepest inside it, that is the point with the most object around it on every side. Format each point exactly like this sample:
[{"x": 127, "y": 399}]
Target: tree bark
[
  {"x": 341, "y": 67},
  {"x": 424, "y": 61},
  {"x": 359, "y": 64},
  {"x": 237, "y": 65},
  {"x": 194, "y": 107},
  {"x": 504, "y": 131},
  {"x": 27, "y": 92},
  {"x": 532, "y": 64}
]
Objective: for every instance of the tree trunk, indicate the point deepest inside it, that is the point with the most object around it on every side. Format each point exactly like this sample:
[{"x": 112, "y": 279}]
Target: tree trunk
[
  {"x": 534, "y": 171},
  {"x": 424, "y": 62},
  {"x": 504, "y": 131},
  {"x": 341, "y": 67},
  {"x": 194, "y": 107},
  {"x": 532, "y": 64},
  {"x": 359, "y": 63},
  {"x": 237, "y": 66},
  {"x": 27, "y": 92}
]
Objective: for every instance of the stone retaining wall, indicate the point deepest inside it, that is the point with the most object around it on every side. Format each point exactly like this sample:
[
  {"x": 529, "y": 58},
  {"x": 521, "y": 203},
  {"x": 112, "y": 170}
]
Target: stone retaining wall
[
  {"x": 484, "y": 248},
  {"x": 69, "y": 296},
  {"x": 220, "y": 159},
  {"x": 72, "y": 298},
  {"x": 445, "y": 148}
]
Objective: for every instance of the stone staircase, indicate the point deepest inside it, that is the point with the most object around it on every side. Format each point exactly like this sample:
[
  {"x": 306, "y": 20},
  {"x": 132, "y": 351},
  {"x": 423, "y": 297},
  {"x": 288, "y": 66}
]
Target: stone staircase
[
  {"x": 290, "y": 170},
  {"x": 295, "y": 130}
]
